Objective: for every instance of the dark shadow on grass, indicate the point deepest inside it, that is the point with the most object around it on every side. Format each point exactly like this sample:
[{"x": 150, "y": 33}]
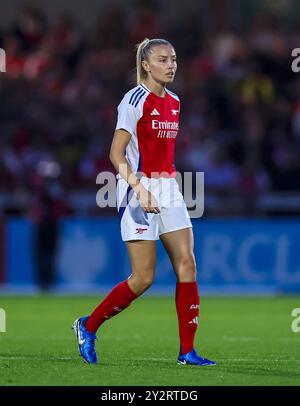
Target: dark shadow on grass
[
  {"x": 259, "y": 371},
  {"x": 220, "y": 368}
]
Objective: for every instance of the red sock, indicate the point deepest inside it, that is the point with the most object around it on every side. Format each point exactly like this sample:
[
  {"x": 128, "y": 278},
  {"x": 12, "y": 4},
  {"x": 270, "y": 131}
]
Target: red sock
[
  {"x": 117, "y": 300},
  {"x": 187, "y": 305}
]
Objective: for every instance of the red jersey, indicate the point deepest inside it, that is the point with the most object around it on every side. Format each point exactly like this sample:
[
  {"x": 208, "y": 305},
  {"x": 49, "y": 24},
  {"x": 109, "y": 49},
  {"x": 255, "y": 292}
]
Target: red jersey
[{"x": 153, "y": 123}]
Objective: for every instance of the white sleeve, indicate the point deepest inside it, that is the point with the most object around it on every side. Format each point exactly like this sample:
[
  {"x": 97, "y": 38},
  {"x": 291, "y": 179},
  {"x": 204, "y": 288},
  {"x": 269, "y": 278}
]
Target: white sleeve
[{"x": 128, "y": 115}]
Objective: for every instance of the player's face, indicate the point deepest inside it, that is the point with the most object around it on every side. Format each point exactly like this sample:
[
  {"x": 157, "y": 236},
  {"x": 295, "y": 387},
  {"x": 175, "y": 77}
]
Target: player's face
[{"x": 161, "y": 64}]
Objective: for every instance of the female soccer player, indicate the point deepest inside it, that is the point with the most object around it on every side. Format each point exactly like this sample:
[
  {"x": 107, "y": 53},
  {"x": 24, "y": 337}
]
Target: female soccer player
[{"x": 150, "y": 206}]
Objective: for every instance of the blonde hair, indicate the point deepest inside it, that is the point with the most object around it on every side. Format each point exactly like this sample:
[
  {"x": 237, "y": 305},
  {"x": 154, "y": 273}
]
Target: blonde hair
[{"x": 142, "y": 53}]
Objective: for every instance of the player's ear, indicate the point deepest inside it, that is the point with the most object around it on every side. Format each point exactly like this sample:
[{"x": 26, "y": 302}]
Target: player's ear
[{"x": 145, "y": 65}]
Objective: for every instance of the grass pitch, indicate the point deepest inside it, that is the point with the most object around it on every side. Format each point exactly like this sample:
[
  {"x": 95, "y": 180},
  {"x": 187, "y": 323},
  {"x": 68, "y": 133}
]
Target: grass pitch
[{"x": 250, "y": 338}]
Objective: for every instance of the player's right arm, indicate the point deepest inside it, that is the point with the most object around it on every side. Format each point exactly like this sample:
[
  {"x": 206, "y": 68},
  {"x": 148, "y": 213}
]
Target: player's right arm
[{"x": 118, "y": 159}]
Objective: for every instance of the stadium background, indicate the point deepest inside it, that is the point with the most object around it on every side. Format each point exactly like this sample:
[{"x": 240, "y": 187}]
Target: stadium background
[
  {"x": 67, "y": 67},
  {"x": 68, "y": 64}
]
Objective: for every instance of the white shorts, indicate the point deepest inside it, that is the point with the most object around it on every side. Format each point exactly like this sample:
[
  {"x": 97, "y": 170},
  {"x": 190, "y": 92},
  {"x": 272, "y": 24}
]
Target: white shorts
[{"x": 136, "y": 224}]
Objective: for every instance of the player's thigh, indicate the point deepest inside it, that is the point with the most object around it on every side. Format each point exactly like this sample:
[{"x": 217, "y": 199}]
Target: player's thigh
[
  {"x": 142, "y": 254},
  {"x": 179, "y": 245}
]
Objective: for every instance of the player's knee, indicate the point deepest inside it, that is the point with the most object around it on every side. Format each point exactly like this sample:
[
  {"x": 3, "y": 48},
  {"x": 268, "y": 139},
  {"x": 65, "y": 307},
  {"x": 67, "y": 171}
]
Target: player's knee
[
  {"x": 146, "y": 282},
  {"x": 187, "y": 268},
  {"x": 142, "y": 282}
]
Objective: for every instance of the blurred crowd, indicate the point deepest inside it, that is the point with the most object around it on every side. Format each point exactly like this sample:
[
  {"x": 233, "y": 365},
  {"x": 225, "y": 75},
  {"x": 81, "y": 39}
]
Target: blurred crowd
[{"x": 240, "y": 119}]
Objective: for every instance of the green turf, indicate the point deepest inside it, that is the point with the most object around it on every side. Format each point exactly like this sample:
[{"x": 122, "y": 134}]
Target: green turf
[{"x": 250, "y": 338}]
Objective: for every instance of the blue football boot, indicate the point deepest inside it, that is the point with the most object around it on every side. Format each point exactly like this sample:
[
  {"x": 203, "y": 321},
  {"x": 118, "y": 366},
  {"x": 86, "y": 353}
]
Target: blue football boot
[
  {"x": 86, "y": 341},
  {"x": 192, "y": 358}
]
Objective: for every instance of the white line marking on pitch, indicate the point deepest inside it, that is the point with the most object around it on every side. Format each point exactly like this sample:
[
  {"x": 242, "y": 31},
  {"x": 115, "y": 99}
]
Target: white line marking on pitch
[
  {"x": 225, "y": 359},
  {"x": 257, "y": 361},
  {"x": 227, "y": 338},
  {"x": 24, "y": 358}
]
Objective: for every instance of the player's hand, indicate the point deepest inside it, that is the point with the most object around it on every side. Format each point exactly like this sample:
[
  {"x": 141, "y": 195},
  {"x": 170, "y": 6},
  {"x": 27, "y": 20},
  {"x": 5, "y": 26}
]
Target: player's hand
[{"x": 147, "y": 200}]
